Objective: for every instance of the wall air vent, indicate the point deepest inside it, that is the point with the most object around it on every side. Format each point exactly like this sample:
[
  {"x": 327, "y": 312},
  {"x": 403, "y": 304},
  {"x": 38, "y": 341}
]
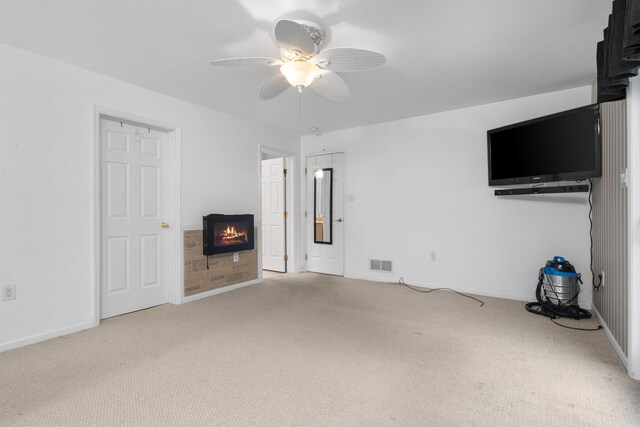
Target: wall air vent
[{"x": 380, "y": 265}]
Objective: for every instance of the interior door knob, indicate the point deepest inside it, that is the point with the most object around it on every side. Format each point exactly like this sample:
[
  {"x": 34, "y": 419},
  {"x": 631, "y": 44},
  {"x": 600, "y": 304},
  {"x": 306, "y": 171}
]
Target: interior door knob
[
  {"x": 339, "y": 220},
  {"x": 164, "y": 225}
]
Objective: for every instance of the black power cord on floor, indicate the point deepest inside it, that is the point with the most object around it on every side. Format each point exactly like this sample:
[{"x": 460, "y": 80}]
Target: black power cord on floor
[
  {"x": 426, "y": 291},
  {"x": 576, "y": 329},
  {"x": 593, "y": 275}
]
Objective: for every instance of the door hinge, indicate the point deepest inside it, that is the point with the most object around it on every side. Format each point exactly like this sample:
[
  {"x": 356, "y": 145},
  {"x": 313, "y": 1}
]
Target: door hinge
[
  {"x": 286, "y": 214},
  {"x": 284, "y": 171},
  {"x": 286, "y": 257},
  {"x": 305, "y": 214},
  {"x": 305, "y": 171},
  {"x": 305, "y": 257}
]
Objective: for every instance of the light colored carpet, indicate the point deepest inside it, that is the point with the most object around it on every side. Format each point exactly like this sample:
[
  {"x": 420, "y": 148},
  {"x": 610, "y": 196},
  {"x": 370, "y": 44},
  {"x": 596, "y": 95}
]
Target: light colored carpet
[{"x": 308, "y": 349}]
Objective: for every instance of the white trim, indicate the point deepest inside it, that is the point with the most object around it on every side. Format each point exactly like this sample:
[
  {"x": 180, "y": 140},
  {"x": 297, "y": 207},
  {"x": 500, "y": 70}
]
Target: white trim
[
  {"x": 609, "y": 335},
  {"x": 633, "y": 216},
  {"x": 480, "y": 292},
  {"x": 192, "y": 227},
  {"x": 132, "y": 118},
  {"x": 47, "y": 335},
  {"x": 174, "y": 201},
  {"x": 345, "y": 211},
  {"x": 221, "y": 290},
  {"x": 97, "y": 232},
  {"x": 323, "y": 152},
  {"x": 277, "y": 151},
  {"x": 176, "y": 237}
]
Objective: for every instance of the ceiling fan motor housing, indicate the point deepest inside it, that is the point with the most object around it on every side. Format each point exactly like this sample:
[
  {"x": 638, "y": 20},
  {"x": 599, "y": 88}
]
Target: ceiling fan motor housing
[{"x": 316, "y": 32}]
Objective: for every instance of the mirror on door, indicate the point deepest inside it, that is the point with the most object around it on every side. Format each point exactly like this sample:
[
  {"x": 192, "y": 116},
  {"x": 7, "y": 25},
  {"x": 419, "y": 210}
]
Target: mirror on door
[{"x": 323, "y": 205}]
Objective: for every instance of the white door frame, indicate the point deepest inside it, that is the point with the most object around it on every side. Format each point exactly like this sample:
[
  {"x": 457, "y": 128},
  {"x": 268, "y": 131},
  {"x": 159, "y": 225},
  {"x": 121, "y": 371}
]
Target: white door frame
[
  {"x": 306, "y": 220},
  {"x": 633, "y": 213},
  {"x": 174, "y": 198},
  {"x": 289, "y": 162}
]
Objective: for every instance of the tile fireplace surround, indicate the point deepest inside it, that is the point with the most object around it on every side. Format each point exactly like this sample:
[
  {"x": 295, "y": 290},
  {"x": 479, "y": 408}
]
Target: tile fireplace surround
[{"x": 222, "y": 270}]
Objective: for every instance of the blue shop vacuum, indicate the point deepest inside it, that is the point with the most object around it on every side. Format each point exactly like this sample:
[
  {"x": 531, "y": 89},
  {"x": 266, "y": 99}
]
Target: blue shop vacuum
[{"x": 557, "y": 291}]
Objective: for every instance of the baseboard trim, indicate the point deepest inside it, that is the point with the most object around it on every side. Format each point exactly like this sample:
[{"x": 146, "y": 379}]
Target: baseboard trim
[
  {"x": 480, "y": 292},
  {"x": 612, "y": 340},
  {"x": 221, "y": 290},
  {"x": 11, "y": 345}
]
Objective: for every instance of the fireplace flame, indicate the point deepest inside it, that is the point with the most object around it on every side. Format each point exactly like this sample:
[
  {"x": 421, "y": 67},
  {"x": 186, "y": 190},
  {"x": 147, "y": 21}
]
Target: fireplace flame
[{"x": 232, "y": 234}]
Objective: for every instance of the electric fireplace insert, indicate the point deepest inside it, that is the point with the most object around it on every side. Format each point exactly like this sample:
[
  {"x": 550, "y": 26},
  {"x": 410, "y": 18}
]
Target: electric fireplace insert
[{"x": 226, "y": 233}]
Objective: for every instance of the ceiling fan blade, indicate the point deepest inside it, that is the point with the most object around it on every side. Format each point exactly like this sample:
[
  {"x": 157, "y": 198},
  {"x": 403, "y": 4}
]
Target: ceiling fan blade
[
  {"x": 274, "y": 87},
  {"x": 347, "y": 60},
  {"x": 246, "y": 62},
  {"x": 332, "y": 86},
  {"x": 292, "y": 36}
]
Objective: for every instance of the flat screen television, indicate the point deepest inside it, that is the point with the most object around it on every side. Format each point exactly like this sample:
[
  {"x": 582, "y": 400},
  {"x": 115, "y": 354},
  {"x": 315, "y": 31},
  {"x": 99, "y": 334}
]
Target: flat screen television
[{"x": 560, "y": 147}]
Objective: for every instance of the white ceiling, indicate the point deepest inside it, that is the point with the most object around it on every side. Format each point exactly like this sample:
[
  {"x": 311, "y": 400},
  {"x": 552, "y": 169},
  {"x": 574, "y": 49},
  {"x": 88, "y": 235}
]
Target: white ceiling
[{"x": 441, "y": 55}]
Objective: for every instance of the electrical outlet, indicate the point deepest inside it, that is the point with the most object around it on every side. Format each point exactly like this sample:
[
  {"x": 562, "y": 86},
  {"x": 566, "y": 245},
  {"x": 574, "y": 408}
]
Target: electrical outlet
[
  {"x": 8, "y": 292},
  {"x": 602, "y": 278},
  {"x": 434, "y": 255},
  {"x": 236, "y": 257}
]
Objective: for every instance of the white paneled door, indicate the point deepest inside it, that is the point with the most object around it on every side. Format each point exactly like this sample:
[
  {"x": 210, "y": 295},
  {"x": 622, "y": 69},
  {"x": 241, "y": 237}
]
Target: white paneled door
[
  {"x": 325, "y": 214},
  {"x": 133, "y": 240},
  {"x": 273, "y": 215}
]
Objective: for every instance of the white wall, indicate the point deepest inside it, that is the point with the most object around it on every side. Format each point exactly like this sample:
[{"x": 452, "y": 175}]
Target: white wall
[
  {"x": 420, "y": 185},
  {"x": 46, "y": 188}
]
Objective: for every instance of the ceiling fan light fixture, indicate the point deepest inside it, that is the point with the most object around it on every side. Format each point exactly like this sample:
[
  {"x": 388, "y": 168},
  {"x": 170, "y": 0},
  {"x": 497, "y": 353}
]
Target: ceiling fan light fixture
[{"x": 300, "y": 73}]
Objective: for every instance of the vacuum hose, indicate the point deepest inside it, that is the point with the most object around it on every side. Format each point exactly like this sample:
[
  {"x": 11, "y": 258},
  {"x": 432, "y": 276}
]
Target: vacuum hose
[
  {"x": 555, "y": 311},
  {"x": 552, "y": 299}
]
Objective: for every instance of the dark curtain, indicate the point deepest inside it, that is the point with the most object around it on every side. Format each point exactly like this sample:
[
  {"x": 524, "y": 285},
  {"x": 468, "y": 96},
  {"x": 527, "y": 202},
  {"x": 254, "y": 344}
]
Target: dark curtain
[
  {"x": 607, "y": 90},
  {"x": 618, "y": 56},
  {"x": 617, "y": 65},
  {"x": 631, "y": 34}
]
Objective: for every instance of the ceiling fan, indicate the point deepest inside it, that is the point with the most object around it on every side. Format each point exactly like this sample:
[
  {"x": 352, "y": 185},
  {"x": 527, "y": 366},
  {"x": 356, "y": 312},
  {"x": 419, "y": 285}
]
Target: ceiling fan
[{"x": 303, "y": 63}]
